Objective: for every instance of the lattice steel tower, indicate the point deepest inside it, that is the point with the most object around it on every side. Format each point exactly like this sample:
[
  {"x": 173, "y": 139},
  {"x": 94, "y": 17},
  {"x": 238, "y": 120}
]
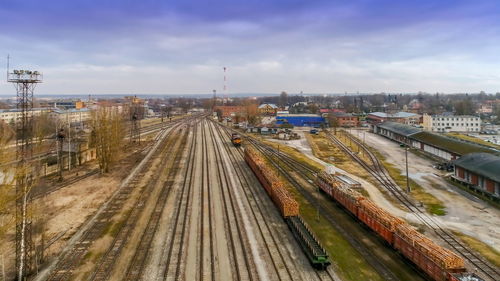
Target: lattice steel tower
[{"x": 24, "y": 82}]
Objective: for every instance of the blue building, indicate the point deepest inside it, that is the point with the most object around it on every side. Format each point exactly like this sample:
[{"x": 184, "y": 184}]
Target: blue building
[{"x": 301, "y": 120}]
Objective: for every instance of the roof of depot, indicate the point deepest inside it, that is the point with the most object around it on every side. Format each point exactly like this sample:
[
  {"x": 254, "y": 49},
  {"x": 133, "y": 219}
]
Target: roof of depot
[
  {"x": 398, "y": 128},
  {"x": 400, "y": 114},
  {"x": 485, "y": 164},
  {"x": 451, "y": 144}
]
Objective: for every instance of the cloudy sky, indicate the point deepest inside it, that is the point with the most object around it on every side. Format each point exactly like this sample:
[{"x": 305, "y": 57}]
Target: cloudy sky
[{"x": 180, "y": 46}]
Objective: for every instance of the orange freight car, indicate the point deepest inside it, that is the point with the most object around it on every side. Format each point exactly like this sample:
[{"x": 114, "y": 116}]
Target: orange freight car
[
  {"x": 436, "y": 261},
  {"x": 378, "y": 219},
  {"x": 347, "y": 197},
  {"x": 272, "y": 184}
]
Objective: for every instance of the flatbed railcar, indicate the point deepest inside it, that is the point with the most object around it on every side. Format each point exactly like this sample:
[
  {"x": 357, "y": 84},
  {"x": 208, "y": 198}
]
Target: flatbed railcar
[
  {"x": 289, "y": 210},
  {"x": 310, "y": 245},
  {"x": 437, "y": 262}
]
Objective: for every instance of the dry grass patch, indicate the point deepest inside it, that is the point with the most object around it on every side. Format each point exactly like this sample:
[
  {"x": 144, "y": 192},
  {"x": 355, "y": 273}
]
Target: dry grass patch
[
  {"x": 295, "y": 153},
  {"x": 432, "y": 204},
  {"x": 488, "y": 252}
]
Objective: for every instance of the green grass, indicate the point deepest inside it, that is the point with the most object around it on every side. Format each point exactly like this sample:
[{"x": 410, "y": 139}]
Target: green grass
[{"x": 351, "y": 265}]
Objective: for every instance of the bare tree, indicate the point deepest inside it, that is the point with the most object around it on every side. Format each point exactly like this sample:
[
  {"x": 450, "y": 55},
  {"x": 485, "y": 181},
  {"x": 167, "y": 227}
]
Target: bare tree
[
  {"x": 283, "y": 101},
  {"x": 107, "y": 136},
  {"x": 333, "y": 122},
  {"x": 7, "y": 172}
]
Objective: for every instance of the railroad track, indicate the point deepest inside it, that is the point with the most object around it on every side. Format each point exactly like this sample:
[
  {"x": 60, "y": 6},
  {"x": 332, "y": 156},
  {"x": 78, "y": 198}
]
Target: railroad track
[
  {"x": 305, "y": 172},
  {"x": 378, "y": 171},
  {"x": 136, "y": 266},
  {"x": 281, "y": 259},
  {"x": 205, "y": 194},
  {"x": 72, "y": 258},
  {"x": 324, "y": 275},
  {"x": 174, "y": 250},
  {"x": 233, "y": 215}
]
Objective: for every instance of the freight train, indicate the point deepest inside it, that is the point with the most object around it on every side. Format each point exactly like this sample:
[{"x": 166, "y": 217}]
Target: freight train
[
  {"x": 289, "y": 209},
  {"x": 439, "y": 263},
  {"x": 236, "y": 139}
]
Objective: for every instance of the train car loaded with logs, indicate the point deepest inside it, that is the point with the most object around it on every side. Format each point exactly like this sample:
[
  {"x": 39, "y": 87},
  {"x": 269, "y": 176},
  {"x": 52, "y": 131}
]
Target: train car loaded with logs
[
  {"x": 437, "y": 262},
  {"x": 288, "y": 208}
]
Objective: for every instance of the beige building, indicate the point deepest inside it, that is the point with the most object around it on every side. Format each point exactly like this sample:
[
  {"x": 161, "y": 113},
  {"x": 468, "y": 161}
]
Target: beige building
[
  {"x": 451, "y": 123},
  {"x": 71, "y": 115}
]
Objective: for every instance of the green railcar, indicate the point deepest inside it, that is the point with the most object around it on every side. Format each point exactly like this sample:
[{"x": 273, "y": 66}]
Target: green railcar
[{"x": 316, "y": 254}]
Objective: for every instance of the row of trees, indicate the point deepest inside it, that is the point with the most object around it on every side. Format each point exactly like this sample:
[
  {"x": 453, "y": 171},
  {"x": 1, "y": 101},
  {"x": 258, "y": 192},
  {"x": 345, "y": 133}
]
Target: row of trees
[{"x": 107, "y": 134}]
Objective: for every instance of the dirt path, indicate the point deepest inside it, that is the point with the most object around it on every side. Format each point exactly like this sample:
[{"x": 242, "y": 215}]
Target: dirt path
[{"x": 376, "y": 195}]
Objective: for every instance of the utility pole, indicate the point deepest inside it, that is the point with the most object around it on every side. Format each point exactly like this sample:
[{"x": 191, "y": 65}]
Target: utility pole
[
  {"x": 69, "y": 142},
  {"x": 408, "y": 189},
  {"x": 59, "y": 148},
  {"x": 214, "y": 101},
  {"x": 135, "y": 118},
  {"x": 25, "y": 82}
]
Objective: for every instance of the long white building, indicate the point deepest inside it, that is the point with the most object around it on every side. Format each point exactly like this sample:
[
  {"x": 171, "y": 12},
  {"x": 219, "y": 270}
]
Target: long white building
[
  {"x": 12, "y": 115},
  {"x": 451, "y": 123},
  {"x": 63, "y": 116}
]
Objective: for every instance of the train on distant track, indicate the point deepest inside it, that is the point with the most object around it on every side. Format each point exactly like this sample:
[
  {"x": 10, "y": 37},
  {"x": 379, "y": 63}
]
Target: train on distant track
[
  {"x": 288, "y": 207},
  {"x": 439, "y": 263},
  {"x": 236, "y": 139}
]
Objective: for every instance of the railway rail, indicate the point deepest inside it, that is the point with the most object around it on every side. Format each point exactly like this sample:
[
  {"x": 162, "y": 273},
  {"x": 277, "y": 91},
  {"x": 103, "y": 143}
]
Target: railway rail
[
  {"x": 234, "y": 223},
  {"x": 378, "y": 171},
  {"x": 174, "y": 249},
  {"x": 205, "y": 209},
  {"x": 327, "y": 274},
  {"x": 307, "y": 173},
  {"x": 72, "y": 258},
  {"x": 279, "y": 262},
  {"x": 104, "y": 267}
]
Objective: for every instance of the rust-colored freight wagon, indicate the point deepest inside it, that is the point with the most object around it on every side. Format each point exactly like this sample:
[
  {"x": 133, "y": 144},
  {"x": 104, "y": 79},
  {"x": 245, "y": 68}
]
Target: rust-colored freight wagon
[
  {"x": 349, "y": 198},
  {"x": 272, "y": 184},
  {"x": 345, "y": 196},
  {"x": 434, "y": 260},
  {"x": 378, "y": 220}
]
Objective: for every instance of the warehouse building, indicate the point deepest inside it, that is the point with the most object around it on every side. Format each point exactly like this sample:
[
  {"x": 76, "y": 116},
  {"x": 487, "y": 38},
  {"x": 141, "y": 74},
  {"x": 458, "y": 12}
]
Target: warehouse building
[
  {"x": 395, "y": 131},
  {"x": 480, "y": 172},
  {"x": 301, "y": 120},
  {"x": 440, "y": 146}
]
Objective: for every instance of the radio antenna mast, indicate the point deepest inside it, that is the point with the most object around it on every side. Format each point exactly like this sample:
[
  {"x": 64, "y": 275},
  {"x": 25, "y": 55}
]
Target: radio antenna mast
[
  {"x": 8, "y": 65},
  {"x": 225, "y": 85}
]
